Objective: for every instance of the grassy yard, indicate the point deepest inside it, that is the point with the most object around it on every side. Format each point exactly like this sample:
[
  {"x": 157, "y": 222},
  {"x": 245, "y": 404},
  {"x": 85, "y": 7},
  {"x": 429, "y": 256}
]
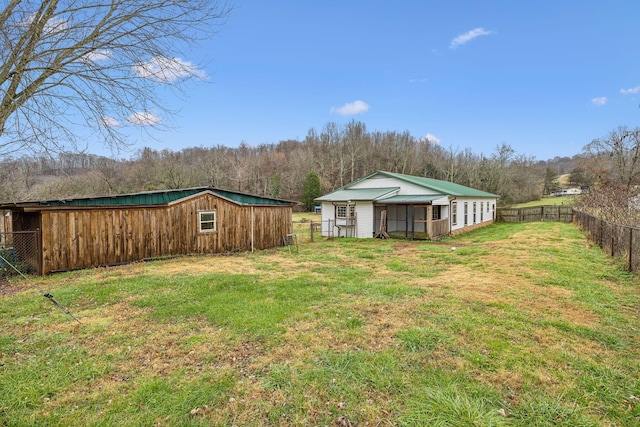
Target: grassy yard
[
  {"x": 546, "y": 201},
  {"x": 510, "y": 325}
]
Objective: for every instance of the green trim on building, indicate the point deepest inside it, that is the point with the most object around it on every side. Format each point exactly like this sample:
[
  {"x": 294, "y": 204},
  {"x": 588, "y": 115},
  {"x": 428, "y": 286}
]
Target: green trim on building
[{"x": 159, "y": 197}]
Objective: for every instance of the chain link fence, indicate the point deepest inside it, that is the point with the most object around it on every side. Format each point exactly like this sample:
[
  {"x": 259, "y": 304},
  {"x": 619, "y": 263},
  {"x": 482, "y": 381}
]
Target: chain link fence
[
  {"x": 19, "y": 252},
  {"x": 619, "y": 241}
]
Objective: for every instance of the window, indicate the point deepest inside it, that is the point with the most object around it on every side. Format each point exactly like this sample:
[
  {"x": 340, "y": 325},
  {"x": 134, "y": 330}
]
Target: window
[
  {"x": 466, "y": 213},
  {"x": 341, "y": 211},
  {"x": 481, "y": 211},
  {"x": 474, "y": 212},
  {"x": 454, "y": 213},
  {"x": 208, "y": 222},
  {"x": 435, "y": 212}
]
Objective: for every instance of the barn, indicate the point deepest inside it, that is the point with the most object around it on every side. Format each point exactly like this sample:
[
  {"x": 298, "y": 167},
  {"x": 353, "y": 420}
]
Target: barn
[
  {"x": 74, "y": 233},
  {"x": 385, "y": 204}
]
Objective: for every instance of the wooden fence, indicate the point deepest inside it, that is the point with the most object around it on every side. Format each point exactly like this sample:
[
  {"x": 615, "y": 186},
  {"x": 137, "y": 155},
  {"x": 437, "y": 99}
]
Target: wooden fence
[
  {"x": 619, "y": 241},
  {"x": 536, "y": 213}
]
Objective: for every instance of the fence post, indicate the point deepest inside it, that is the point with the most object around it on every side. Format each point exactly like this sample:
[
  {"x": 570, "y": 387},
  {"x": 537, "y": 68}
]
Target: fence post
[
  {"x": 311, "y": 230},
  {"x": 630, "y": 249},
  {"x": 39, "y": 251}
]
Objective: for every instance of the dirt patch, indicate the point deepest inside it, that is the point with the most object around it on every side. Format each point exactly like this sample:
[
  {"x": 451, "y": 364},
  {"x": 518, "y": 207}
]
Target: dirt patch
[
  {"x": 9, "y": 288},
  {"x": 6, "y": 288}
]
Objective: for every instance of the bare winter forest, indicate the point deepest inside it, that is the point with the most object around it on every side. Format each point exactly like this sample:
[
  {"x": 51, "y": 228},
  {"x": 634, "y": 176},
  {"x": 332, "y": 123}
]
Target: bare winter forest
[{"x": 337, "y": 154}]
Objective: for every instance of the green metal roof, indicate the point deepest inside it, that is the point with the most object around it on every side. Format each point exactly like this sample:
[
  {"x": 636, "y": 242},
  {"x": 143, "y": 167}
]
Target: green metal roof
[
  {"x": 444, "y": 187},
  {"x": 357, "y": 194},
  {"x": 160, "y": 197},
  {"x": 249, "y": 199}
]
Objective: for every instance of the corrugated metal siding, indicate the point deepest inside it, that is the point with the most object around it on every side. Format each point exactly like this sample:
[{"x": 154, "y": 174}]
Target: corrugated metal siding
[{"x": 151, "y": 198}]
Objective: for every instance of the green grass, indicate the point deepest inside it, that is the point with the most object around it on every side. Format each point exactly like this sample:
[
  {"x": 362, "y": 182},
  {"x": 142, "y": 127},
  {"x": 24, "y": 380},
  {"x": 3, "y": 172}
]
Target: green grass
[
  {"x": 521, "y": 325},
  {"x": 546, "y": 201}
]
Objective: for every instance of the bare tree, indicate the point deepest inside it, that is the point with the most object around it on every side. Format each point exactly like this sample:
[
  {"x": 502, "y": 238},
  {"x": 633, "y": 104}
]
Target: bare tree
[
  {"x": 612, "y": 201},
  {"x": 65, "y": 63},
  {"x": 354, "y": 140},
  {"x": 107, "y": 170},
  {"x": 621, "y": 149},
  {"x": 330, "y": 138}
]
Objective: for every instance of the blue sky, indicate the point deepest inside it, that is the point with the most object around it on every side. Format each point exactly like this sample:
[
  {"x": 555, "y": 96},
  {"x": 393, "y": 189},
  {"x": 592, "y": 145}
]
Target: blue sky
[{"x": 545, "y": 77}]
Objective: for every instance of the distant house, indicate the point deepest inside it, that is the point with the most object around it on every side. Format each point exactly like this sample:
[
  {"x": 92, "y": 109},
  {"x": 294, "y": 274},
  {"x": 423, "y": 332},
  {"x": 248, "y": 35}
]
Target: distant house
[
  {"x": 404, "y": 205},
  {"x": 567, "y": 192},
  {"x": 95, "y": 231}
]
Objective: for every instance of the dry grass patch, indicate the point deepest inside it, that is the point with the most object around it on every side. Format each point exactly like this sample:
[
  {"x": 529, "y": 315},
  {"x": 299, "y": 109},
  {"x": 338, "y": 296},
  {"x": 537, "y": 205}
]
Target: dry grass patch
[{"x": 521, "y": 318}]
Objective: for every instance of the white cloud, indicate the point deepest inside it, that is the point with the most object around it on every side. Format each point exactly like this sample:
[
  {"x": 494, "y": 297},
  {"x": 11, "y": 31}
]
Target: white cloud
[
  {"x": 52, "y": 26},
  {"x": 351, "y": 108},
  {"x": 468, "y": 36},
  {"x": 97, "y": 55},
  {"x": 422, "y": 80},
  {"x": 167, "y": 70},
  {"x": 600, "y": 101},
  {"x": 432, "y": 138},
  {"x": 109, "y": 122},
  {"x": 630, "y": 91},
  {"x": 143, "y": 118}
]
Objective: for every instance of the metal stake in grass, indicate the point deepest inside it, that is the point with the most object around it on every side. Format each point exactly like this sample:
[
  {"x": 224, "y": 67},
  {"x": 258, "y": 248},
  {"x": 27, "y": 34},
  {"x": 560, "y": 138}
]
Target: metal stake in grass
[{"x": 42, "y": 291}]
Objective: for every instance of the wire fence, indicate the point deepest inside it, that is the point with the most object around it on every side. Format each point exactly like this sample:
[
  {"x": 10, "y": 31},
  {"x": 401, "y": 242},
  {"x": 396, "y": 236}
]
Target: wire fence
[
  {"x": 19, "y": 253},
  {"x": 312, "y": 230},
  {"x": 619, "y": 241}
]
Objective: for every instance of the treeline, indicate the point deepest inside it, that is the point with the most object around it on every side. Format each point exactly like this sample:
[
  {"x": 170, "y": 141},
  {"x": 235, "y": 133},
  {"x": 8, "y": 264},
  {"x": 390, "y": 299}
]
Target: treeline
[{"x": 337, "y": 154}]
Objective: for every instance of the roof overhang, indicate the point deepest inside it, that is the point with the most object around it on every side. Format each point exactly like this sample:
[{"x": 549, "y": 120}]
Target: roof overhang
[
  {"x": 415, "y": 199},
  {"x": 147, "y": 200},
  {"x": 358, "y": 194}
]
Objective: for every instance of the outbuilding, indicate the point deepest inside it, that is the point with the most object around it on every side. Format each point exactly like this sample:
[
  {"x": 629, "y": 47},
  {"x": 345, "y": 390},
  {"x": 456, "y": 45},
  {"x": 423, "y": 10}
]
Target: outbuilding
[
  {"x": 385, "y": 203},
  {"x": 74, "y": 233}
]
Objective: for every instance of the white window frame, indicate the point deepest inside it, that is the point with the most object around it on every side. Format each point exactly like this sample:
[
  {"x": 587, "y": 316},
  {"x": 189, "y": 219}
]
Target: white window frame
[
  {"x": 466, "y": 213},
  {"x": 352, "y": 211},
  {"x": 454, "y": 213},
  {"x": 206, "y": 221}
]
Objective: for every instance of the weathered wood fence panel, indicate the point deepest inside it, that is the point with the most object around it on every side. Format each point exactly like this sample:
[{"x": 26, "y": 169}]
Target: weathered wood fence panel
[
  {"x": 536, "y": 213},
  {"x": 79, "y": 238},
  {"x": 440, "y": 228}
]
